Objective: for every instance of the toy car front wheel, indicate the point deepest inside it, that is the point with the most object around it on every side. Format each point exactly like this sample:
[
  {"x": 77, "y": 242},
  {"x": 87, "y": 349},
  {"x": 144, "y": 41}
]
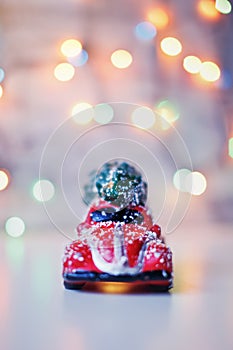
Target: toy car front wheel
[{"x": 73, "y": 286}]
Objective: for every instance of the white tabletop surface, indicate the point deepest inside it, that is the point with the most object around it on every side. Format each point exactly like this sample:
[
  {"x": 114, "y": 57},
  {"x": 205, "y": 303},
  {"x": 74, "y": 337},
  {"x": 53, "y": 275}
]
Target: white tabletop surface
[{"x": 37, "y": 313}]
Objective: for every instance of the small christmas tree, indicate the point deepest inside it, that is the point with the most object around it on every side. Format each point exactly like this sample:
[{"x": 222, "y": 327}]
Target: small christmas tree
[{"x": 121, "y": 184}]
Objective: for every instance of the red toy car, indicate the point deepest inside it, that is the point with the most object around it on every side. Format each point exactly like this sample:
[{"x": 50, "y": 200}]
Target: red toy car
[{"x": 118, "y": 246}]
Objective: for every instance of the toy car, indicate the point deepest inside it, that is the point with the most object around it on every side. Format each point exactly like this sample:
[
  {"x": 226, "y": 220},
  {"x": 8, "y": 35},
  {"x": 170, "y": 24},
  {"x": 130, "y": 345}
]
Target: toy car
[
  {"x": 118, "y": 241},
  {"x": 107, "y": 250}
]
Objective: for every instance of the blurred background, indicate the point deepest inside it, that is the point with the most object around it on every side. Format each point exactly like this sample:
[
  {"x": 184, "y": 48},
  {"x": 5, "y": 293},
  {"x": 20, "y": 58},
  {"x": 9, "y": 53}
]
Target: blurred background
[
  {"x": 82, "y": 82},
  {"x": 59, "y": 58}
]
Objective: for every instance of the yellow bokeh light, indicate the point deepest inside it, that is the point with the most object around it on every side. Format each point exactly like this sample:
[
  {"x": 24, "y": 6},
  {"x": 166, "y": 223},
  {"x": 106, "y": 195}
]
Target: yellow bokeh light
[
  {"x": 168, "y": 112},
  {"x": 192, "y": 64},
  {"x": 82, "y": 113},
  {"x": 158, "y": 17},
  {"x": 195, "y": 183},
  {"x": 210, "y": 71},
  {"x": 143, "y": 117},
  {"x": 71, "y": 48},
  {"x": 171, "y": 46},
  {"x": 230, "y": 147},
  {"x": 223, "y": 6},
  {"x": 4, "y": 180},
  {"x": 206, "y": 8},
  {"x": 1, "y": 91},
  {"x": 64, "y": 72},
  {"x": 121, "y": 59},
  {"x": 15, "y": 226}
]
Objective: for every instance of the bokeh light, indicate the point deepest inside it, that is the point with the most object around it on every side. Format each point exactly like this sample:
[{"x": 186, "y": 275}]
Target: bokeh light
[
  {"x": 223, "y": 6},
  {"x": 121, "y": 59},
  {"x": 145, "y": 31},
  {"x": 171, "y": 46},
  {"x": 43, "y": 190},
  {"x": 230, "y": 147},
  {"x": 143, "y": 117},
  {"x": 2, "y": 74},
  {"x": 4, "y": 179},
  {"x": 80, "y": 59},
  {"x": 82, "y": 113},
  {"x": 195, "y": 183},
  {"x": 15, "y": 226},
  {"x": 158, "y": 17},
  {"x": 209, "y": 71},
  {"x": 206, "y": 9},
  {"x": 168, "y": 111},
  {"x": 1, "y": 91},
  {"x": 226, "y": 80},
  {"x": 192, "y": 64},
  {"x": 179, "y": 179},
  {"x": 71, "y": 47},
  {"x": 15, "y": 250},
  {"x": 103, "y": 113},
  {"x": 64, "y": 72}
]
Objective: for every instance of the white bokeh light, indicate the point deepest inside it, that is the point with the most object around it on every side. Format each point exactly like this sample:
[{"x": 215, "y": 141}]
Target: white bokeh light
[
  {"x": 4, "y": 180},
  {"x": 103, "y": 113},
  {"x": 223, "y": 6},
  {"x": 71, "y": 47},
  {"x": 195, "y": 183},
  {"x": 143, "y": 117},
  {"x": 121, "y": 59},
  {"x": 179, "y": 179},
  {"x": 43, "y": 190},
  {"x": 15, "y": 226},
  {"x": 64, "y": 72},
  {"x": 82, "y": 113}
]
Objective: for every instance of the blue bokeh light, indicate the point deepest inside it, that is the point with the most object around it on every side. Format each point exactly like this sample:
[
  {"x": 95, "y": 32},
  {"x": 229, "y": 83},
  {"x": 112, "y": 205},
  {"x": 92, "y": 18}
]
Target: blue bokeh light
[
  {"x": 2, "y": 74},
  {"x": 80, "y": 59},
  {"x": 226, "y": 80},
  {"x": 145, "y": 31}
]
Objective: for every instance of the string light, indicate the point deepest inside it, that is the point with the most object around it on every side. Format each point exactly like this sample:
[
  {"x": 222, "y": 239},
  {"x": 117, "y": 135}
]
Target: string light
[
  {"x": 179, "y": 179},
  {"x": 143, "y": 117},
  {"x": 15, "y": 226},
  {"x": 121, "y": 59},
  {"x": 158, "y": 17},
  {"x": 223, "y": 6},
  {"x": 71, "y": 48},
  {"x": 209, "y": 71},
  {"x": 43, "y": 190},
  {"x": 82, "y": 113},
  {"x": 1, "y": 91},
  {"x": 103, "y": 113},
  {"x": 2, "y": 74},
  {"x": 79, "y": 60},
  {"x": 64, "y": 72},
  {"x": 171, "y": 46},
  {"x": 230, "y": 147},
  {"x": 206, "y": 8},
  {"x": 4, "y": 179},
  {"x": 192, "y": 64},
  {"x": 195, "y": 183},
  {"x": 145, "y": 31}
]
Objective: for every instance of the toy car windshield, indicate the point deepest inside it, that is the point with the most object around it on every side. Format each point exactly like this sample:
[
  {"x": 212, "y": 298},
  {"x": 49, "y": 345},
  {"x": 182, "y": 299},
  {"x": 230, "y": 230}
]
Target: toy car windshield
[{"x": 126, "y": 215}]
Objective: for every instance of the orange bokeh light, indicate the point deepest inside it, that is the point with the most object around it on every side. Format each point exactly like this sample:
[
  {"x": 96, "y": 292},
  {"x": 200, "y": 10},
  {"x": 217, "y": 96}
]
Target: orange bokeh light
[
  {"x": 207, "y": 9},
  {"x": 158, "y": 17}
]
